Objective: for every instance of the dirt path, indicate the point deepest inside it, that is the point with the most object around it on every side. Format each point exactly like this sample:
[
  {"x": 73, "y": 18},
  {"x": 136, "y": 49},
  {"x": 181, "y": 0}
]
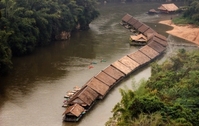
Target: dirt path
[{"x": 187, "y": 32}]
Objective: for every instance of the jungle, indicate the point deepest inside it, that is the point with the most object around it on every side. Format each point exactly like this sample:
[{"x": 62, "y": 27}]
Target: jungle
[
  {"x": 27, "y": 24},
  {"x": 168, "y": 98}
]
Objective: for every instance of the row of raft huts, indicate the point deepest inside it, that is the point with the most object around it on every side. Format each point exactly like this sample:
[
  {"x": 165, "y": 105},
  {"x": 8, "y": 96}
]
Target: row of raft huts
[{"x": 98, "y": 86}]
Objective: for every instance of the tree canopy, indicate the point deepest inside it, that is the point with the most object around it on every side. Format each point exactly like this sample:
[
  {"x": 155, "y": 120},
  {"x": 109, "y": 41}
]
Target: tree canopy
[
  {"x": 190, "y": 13},
  {"x": 168, "y": 98},
  {"x": 26, "y": 24},
  {"x": 192, "y": 10}
]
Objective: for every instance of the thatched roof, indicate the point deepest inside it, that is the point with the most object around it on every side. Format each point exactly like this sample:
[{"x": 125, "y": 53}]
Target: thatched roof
[
  {"x": 143, "y": 28},
  {"x": 126, "y": 70},
  {"x": 162, "y": 42},
  {"x": 150, "y": 30},
  {"x": 149, "y": 52},
  {"x": 139, "y": 37},
  {"x": 129, "y": 62},
  {"x": 168, "y": 7},
  {"x": 158, "y": 38},
  {"x": 126, "y": 18},
  {"x": 139, "y": 57},
  {"x": 75, "y": 110},
  {"x": 108, "y": 80},
  {"x": 132, "y": 21},
  {"x": 84, "y": 97},
  {"x": 156, "y": 46},
  {"x": 149, "y": 35},
  {"x": 113, "y": 72},
  {"x": 137, "y": 24},
  {"x": 98, "y": 86},
  {"x": 161, "y": 37}
]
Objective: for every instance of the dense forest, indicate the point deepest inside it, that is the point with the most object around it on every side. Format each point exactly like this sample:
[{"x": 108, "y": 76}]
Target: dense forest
[
  {"x": 190, "y": 13},
  {"x": 27, "y": 24},
  {"x": 168, "y": 98}
]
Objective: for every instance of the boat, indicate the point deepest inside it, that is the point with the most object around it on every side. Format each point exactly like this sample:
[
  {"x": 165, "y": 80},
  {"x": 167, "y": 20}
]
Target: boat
[
  {"x": 65, "y": 105},
  {"x": 76, "y": 88},
  {"x": 152, "y": 11},
  {"x": 138, "y": 40},
  {"x": 69, "y": 94},
  {"x": 73, "y": 113},
  {"x": 127, "y": 26},
  {"x": 121, "y": 23}
]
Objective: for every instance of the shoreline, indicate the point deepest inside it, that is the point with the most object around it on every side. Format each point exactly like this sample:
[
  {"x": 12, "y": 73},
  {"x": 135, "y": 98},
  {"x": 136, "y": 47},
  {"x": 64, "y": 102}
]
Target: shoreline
[{"x": 187, "y": 32}]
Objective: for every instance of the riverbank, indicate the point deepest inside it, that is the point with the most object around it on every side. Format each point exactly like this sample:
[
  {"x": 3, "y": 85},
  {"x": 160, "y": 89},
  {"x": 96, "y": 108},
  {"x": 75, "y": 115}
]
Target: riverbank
[{"x": 187, "y": 32}]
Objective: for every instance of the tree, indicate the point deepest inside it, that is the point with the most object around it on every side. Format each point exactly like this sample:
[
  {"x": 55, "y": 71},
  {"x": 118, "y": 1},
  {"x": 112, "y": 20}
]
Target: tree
[
  {"x": 89, "y": 12},
  {"x": 37, "y": 22},
  {"x": 5, "y": 53},
  {"x": 192, "y": 11},
  {"x": 169, "y": 96}
]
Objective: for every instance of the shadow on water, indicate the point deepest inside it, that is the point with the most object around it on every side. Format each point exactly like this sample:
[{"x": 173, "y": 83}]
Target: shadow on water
[
  {"x": 38, "y": 81},
  {"x": 46, "y": 64}
]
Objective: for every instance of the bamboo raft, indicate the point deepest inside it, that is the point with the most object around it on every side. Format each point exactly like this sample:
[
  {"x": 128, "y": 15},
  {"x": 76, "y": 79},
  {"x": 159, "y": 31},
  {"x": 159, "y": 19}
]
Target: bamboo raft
[{"x": 99, "y": 85}]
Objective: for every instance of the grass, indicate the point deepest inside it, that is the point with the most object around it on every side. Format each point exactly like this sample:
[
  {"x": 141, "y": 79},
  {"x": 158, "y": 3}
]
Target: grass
[{"x": 183, "y": 21}]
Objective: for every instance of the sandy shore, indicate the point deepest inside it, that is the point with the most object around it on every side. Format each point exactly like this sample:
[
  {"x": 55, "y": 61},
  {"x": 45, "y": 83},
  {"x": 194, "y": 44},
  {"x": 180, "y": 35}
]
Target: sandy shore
[{"x": 187, "y": 32}]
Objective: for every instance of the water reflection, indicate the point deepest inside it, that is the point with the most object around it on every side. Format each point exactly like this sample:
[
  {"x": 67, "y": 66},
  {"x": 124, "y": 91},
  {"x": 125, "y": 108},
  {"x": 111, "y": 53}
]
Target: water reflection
[{"x": 33, "y": 93}]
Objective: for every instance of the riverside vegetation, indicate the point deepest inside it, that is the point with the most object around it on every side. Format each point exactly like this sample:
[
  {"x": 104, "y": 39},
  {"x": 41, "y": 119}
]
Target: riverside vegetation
[
  {"x": 168, "y": 98},
  {"x": 190, "y": 13},
  {"x": 27, "y": 24}
]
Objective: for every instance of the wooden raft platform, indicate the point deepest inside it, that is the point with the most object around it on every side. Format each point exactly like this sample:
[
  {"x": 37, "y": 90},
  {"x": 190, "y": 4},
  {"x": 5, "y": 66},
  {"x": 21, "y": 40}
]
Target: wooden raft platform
[{"x": 99, "y": 85}]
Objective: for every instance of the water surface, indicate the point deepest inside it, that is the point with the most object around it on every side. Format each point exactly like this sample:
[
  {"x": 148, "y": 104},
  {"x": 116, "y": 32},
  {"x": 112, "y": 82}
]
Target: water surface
[{"x": 32, "y": 95}]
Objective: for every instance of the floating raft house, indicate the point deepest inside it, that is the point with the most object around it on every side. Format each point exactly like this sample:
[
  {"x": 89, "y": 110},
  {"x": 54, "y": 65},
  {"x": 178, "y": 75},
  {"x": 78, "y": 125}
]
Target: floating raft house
[
  {"x": 74, "y": 113},
  {"x": 99, "y": 85},
  {"x": 139, "y": 40},
  {"x": 168, "y": 8}
]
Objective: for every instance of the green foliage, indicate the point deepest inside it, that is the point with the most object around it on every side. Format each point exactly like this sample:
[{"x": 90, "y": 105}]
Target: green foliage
[
  {"x": 37, "y": 22},
  {"x": 191, "y": 13},
  {"x": 88, "y": 12},
  {"x": 170, "y": 96},
  {"x": 43, "y": 20},
  {"x": 154, "y": 119},
  {"x": 182, "y": 20},
  {"x": 5, "y": 53}
]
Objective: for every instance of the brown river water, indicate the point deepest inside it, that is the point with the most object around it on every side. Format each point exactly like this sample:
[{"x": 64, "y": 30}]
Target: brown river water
[{"x": 32, "y": 95}]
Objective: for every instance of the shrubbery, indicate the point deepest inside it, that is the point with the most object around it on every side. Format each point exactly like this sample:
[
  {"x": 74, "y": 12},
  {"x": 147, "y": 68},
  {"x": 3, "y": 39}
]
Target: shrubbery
[
  {"x": 190, "y": 14},
  {"x": 168, "y": 98}
]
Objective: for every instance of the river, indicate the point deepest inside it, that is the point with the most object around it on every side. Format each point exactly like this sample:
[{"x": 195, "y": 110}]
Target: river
[{"x": 33, "y": 93}]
